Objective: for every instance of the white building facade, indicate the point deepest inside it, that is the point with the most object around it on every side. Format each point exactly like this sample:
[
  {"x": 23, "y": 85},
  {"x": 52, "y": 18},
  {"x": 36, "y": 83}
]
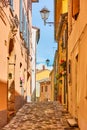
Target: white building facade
[{"x": 35, "y": 39}]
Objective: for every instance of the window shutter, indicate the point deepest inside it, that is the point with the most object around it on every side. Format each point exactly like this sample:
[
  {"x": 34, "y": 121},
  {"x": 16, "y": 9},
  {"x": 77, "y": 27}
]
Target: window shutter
[
  {"x": 22, "y": 19},
  {"x": 11, "y": 4},
  {"x": 75, "y": 6},
  {"x": 25, "y": 27},
  {"x": 64, "y": 39},
  {"x": 20, "y": 15},
  {"x": 27, "y": 33},
  {"x": 28, "y": 37},
  {"x": 26, "y": 30}
]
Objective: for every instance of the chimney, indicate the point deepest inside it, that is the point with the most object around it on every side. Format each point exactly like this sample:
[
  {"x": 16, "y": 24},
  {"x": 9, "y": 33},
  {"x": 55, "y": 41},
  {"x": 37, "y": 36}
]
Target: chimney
[{"x": 43, "y": 67}]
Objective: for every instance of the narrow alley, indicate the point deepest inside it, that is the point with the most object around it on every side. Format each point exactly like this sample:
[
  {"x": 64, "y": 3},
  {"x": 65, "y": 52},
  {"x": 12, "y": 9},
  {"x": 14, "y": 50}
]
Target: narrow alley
[
  {"x": 40, "y": 116},
  {"x": 43, "y": 65}
]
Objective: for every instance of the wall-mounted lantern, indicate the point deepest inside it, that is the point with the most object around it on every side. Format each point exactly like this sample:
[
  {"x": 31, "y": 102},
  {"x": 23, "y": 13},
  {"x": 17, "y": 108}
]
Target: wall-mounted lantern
[{"x": 44, "y": 15}]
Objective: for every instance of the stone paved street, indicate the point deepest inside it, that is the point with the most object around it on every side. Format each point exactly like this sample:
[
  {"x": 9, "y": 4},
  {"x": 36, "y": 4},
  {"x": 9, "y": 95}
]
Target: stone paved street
[{"x": 40, "y": 116}]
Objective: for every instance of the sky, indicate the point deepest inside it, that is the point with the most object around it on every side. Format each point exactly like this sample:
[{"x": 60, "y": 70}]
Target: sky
[{"x": 46, "y": 46}]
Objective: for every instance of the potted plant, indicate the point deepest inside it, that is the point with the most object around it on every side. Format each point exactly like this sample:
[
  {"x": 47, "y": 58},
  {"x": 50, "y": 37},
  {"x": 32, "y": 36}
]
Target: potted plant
[
  {"x": 63, "y": 64},
  {"x": 59, "y": 75}
]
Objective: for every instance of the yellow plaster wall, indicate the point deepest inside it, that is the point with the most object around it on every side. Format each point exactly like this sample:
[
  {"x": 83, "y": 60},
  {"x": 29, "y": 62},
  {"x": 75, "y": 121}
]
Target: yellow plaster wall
[
  {"x": 52, "y": 84},
  {"x": 78, "y": 39},
  {"x": 42, "y": 74},
  {"x": 64, "y": 6}
]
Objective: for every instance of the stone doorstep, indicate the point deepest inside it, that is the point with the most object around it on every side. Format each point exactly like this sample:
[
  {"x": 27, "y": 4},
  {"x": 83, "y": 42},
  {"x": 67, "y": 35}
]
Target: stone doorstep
[
  {"x": 72, "y": 122},
  {"x": 71, "y": 128}
]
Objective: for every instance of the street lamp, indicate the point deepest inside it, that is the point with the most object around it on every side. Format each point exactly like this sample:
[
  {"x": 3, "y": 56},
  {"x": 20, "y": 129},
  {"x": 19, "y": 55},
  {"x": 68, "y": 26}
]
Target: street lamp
[
  {"x": 47, "y": 62},
  {"x": 45, "y": 14}
]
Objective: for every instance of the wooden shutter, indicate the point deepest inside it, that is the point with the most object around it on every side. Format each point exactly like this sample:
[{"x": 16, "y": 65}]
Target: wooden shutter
[
  {"x": 75, "y": 6},
  {"x": 28, "y": 37},
  {"x": 11, "y": 4},
  {"x": 64, "y": 39},
  {"x": 24, "y": 33},
  {"x": 22, "y": 19},
  {"x": 24, "y": 28},
  {"x": 27, "y": 33}
]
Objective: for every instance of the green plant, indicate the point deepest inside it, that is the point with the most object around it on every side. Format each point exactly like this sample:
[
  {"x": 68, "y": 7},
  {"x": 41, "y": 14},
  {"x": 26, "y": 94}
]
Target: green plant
[
  {"x": 59, "y": 75},
  {"x": 63, "y": 63},
  {"x": 60, "y": 81},
  {"x": 64, "y": 73}
]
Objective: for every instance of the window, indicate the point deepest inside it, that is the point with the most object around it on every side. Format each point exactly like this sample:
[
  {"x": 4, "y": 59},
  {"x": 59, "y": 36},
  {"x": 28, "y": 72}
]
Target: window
[
  {"x": 64, "y": 40},
  {"x": 22, "y": 19},
  {"x": 24, "y": 31},
  {"x": 21, "y": 16},
  {"x": 24, "y": 24},
  {"x": 46, "y": 88},
  {"x": 70, "y": 80},
  {"x": 11, "y": 4},
  {"x": 42, "y": 89},
  {"x": 27, "y": 35}
]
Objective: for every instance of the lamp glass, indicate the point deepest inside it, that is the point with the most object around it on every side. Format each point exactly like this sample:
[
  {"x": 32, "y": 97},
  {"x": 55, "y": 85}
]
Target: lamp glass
[
  {"x": 44, "y": 13},
  {"x": 47, "y": 62}
]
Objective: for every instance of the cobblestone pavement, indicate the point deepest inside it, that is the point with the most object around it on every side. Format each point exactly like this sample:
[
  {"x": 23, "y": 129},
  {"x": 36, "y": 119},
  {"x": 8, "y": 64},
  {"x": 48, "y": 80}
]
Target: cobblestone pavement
[{"x": 39, "y": 116}]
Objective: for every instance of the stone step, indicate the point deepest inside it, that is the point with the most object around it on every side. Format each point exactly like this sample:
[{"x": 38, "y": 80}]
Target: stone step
[
  {"x": 72, "y": 128},
  {"x": 72, "y": 122}
]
